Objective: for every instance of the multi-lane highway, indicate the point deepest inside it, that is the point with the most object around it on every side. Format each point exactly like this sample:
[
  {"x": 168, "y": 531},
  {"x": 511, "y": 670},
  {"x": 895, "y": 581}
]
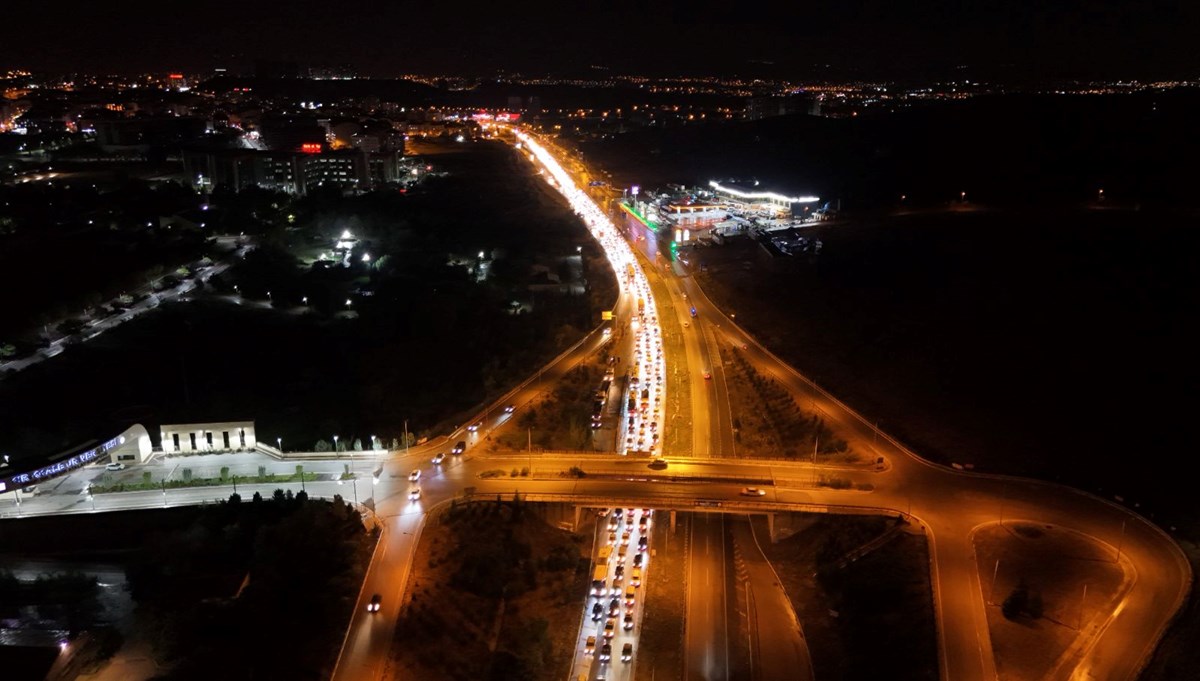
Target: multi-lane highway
[{"x": 949, "y": 504}]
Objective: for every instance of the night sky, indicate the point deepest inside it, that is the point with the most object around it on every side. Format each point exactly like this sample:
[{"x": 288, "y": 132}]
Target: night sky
[{"x": 869, "y": 38}]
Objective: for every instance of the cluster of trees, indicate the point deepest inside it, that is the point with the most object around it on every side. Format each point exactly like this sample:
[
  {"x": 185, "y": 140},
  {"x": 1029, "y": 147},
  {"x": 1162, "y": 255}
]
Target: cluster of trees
[
  {"x": 563, "y": 419},
  {"x": 778, "y": 423},
  {"x": 495, "y": 555},
  {"x": 252, "y": 589}
]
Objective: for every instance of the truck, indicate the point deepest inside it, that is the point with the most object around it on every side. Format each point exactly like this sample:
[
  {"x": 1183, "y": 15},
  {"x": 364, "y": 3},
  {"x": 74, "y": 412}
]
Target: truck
[{"x": 600, "y": 580}]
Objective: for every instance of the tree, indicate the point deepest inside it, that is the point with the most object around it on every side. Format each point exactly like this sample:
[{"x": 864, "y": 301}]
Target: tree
[
  {"x": 323, "y": 446},
  {"x": 358, "y": 444},
  {"x": 257, "y": 498},
  {"x": 1016, "y": 602},
  {"x": 301, "y": 496},
  {"x": 235, "y": 498}
]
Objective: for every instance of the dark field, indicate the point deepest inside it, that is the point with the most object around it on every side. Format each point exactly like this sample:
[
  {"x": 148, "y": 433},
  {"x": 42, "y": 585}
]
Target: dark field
[{"x": 1050, "y": 344}]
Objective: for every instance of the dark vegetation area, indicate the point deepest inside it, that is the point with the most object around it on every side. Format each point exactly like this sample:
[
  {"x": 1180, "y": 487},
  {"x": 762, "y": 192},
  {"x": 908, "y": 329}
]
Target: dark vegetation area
[
  {"x": 246, "y": 589},
  {"x": 425, "y": 339},
  {"x": 67, "y": 246},
  {"x": 880, "y": 602},
  {"x": 499, "y": 587},
  {"x": 252, "y": 589},
  {"x": 562, "y": 419}
]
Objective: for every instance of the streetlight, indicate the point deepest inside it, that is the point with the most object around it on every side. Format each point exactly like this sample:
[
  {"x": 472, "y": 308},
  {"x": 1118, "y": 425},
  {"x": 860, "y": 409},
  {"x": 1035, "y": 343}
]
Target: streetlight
[
  {"x": 335, "y": 449},
  {"x": 304, "y": 300},
  {"x": 347, "y": 302},
  {"x": 279, "y": 444}
]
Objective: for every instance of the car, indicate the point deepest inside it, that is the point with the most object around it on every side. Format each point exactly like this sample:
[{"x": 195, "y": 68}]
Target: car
[
  {"x": 509, "y": 409},
  {"x": 637, "y": 560},
  {"x": 373, "y": 605},
  {"x": 589, "y": 648},
  {"x": 630, "y": 595},
  {"x": 437, "y": 460},
  {"x": 619, "y": 572},
  {"x": 473, "y": 427},
  {"x": 614, "y": 606},
  {"x": 635, "y": 577},
  {"x": 414, "y": 493},
  {"x": 658, "y": 463},
  {"x": 628, "y": 621},
  {"x": 625, "y": 538},
  {"x": 753, "y": 492},
  {"x": 643, "y": 542},
  {"x": 415, "y": 475},
  {"x": 610, "y": 628},
  {"x": 643, "y": 522},
  {"x": 459, "y": 447},
  {"x": 606, "y": 652},
  {"x": 612, "y": 538},
  {"x": 627, "y": 652},
  {"x": 115, "y": 466},
  {"x": 707, "y": 375},
  {"x": 597, "y": 611}
]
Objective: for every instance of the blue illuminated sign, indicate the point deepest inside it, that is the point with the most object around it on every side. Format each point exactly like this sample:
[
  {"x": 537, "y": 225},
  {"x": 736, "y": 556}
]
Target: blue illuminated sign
[{"x": 60, "y": 467}]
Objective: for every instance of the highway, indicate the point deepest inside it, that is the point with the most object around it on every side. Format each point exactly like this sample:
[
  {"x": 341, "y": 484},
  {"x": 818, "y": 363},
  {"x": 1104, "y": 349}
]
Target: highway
[
  {"x": 706, "y": 630},
  {"x": 949, "y": 504}
]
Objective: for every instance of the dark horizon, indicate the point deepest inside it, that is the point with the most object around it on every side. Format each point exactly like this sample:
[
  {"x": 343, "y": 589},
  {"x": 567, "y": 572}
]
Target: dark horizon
[{"x": 1109, "y": 39}]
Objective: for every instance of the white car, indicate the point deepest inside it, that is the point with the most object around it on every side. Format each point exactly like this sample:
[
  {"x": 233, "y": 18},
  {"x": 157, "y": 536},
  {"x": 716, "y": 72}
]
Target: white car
[
  {"x": 117, "y": 466},
  {"x": 753, "y": 492},
  {"x": 509, "y": 409},
  {"x": 414, "y": 493},
  {"x": 437, "y": 460},
  {"x": 415, "y": 475}
]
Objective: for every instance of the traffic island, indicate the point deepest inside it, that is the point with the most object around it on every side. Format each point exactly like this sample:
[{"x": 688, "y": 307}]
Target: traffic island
[{"x": 1048, "y": 591}]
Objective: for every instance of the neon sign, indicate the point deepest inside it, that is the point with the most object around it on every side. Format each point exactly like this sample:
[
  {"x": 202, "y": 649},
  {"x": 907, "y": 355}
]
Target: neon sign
[
  {"x": 310, "y": 148},
  {"x": 60, "y": 467}
]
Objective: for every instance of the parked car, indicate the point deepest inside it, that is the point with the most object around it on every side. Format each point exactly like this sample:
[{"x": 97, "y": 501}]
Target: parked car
[
  {"x": 590, "y": 647},
  {"x": 115, "y": 466},
  {"x": 627, "y": 652}
]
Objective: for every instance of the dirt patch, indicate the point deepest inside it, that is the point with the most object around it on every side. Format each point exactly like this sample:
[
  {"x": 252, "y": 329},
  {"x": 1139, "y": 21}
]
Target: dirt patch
[
  {"x": 1042, "y": 571},
  {"x": 881, "y": 601},
  {"x": 497, "y": 585}
]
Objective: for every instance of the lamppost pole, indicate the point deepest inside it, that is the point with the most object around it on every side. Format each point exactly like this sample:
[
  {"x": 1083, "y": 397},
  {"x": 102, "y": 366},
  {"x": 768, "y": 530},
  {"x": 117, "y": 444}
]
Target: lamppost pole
[{"x": 406, "y": 437}]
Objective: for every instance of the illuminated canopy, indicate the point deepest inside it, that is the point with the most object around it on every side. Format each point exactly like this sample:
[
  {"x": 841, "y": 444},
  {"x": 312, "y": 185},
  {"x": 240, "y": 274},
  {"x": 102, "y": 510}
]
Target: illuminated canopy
[{"x": 771, "y": 196}]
